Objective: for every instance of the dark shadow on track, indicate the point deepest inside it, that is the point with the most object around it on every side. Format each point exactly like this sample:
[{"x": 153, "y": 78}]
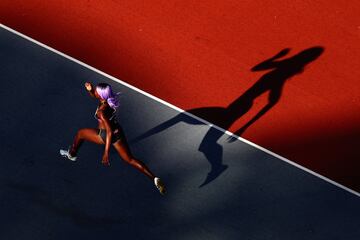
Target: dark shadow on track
[
  {"x": 272, "y": 82},
  {"x": 50, "y": 198}
]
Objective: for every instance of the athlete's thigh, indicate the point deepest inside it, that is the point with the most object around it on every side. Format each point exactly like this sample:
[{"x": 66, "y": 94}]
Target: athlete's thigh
[
  {"x": 91, "y": 135},
  {"x": 123, "y": 149}
]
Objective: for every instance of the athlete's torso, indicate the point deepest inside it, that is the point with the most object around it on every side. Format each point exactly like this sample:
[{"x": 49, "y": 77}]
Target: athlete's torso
[{"x": 109, "y": 113}]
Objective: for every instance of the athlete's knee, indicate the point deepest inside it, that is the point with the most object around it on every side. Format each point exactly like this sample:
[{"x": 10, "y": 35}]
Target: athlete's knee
[
  {"x": 134, "y": 162},
  {"x": 127, "y": 158}
]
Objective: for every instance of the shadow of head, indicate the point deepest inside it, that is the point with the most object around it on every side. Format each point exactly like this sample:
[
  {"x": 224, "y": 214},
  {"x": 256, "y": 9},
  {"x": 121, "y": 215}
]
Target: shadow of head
[
  {"x": 291, "y": 64},
  {"x": 308, "y": 55}
]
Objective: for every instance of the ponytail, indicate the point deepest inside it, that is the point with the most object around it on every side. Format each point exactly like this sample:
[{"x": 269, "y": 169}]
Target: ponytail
[{"x": 105, "y": 92}]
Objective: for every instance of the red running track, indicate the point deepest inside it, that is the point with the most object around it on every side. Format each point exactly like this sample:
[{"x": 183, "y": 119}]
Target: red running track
[{"x": 200, "y": 53}]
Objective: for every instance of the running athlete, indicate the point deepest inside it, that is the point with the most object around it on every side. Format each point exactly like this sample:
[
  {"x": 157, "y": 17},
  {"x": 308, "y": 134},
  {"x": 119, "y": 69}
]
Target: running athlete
[{"x": 108, "y": 132}]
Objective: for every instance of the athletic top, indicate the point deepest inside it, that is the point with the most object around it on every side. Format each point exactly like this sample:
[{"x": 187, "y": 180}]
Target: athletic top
[{"x": 108, "y": 112}]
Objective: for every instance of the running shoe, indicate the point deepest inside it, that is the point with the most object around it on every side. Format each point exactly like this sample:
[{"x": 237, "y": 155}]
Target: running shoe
[
  {"x": 66, "y": 153},
  {"x": 159, "y": 185}
]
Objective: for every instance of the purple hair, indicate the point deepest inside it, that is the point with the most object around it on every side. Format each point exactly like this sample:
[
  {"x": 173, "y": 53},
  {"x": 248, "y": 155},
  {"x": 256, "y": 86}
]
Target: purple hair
[{"x": 105, "y": 92}]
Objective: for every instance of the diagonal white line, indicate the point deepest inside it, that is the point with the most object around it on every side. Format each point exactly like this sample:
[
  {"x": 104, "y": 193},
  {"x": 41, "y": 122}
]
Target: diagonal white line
[{"x": 180, "y": 110}]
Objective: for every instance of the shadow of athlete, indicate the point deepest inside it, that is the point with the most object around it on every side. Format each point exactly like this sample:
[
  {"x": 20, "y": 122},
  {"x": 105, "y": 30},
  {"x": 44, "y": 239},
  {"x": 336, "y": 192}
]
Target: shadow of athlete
[{"x": 271, "y": 82}]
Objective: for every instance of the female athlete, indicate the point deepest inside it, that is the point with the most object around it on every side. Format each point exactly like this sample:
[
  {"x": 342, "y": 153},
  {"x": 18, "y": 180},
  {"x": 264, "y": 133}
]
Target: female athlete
[{"x": 108, "y": 132}]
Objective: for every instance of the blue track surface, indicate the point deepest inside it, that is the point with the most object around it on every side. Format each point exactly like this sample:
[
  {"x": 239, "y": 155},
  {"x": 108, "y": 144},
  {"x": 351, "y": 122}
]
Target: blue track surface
[{"x": 43, "y": 196}]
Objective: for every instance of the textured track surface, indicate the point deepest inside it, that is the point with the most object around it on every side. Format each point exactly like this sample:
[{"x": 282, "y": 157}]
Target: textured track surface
[
  {"x": 43, "y": 196},
  {"x": 199, "y": 54}
]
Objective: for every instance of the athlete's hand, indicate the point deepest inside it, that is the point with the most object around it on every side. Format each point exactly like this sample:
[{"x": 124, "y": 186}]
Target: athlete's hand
[
  {"x": 88, "y": 86},
  {"x": 105, "y": 160}
]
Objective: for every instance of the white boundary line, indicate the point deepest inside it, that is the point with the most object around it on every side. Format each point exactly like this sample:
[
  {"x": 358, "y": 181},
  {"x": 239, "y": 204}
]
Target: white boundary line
[{"x": 179, "y": 109}]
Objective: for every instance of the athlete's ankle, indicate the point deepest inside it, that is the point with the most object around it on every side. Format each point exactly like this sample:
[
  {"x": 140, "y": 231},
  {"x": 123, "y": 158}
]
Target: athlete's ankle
[{"x": 72, "y": 152}]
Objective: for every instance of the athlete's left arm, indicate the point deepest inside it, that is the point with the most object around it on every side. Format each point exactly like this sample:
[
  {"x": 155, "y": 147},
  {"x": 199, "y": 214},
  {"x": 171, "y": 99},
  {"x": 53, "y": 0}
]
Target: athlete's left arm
[{"x": 105, "y": 159}]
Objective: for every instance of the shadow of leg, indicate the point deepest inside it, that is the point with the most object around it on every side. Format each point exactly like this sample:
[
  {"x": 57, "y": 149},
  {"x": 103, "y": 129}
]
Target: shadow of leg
[{"x": 213, "y": 152}]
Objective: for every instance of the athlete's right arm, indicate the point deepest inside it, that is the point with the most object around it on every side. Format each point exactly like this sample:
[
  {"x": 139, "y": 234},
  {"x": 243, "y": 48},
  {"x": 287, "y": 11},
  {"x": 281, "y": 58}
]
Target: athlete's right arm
[
  {"x": 90, "y": 89},
  {"x": 109, "y": 134}
]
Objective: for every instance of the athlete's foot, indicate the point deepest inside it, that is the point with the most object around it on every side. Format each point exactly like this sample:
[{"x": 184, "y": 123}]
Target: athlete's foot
[
  {"x": 159, "y": 185},
  {"x": 66, "y": 153}
]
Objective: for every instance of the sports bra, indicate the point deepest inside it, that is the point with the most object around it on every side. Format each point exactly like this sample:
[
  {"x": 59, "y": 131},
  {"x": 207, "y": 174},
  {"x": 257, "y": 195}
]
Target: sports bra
[{"x": 112, "y": 118}]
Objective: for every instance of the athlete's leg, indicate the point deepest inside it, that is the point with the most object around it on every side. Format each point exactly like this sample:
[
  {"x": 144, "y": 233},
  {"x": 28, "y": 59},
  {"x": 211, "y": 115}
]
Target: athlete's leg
[
  {"x": 85, "y": 134},
  {"x": 123, "y": 149}
]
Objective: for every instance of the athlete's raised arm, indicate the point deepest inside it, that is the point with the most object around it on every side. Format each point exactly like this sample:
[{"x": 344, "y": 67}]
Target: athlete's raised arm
[{"x": 90, "y": 89}]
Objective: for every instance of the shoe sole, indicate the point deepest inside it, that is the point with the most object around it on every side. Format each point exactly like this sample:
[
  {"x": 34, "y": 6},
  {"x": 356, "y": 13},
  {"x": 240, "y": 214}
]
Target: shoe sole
[{"x": 66, "y": 156}]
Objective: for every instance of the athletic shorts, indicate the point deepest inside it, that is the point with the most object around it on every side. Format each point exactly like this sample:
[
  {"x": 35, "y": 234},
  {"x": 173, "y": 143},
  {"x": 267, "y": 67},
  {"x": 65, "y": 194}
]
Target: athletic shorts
[{"x": 117, "y": 135}]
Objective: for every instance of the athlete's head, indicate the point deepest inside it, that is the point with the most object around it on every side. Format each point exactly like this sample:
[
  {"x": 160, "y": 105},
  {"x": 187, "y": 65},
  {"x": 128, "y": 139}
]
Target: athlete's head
[{"x": 104, "y": 91}]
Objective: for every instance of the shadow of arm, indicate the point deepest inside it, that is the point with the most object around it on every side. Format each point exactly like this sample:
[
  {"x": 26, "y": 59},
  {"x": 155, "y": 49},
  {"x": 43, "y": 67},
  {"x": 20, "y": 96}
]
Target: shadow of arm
[
  {"x": 270, "y": 63},
  {"x": 169, "y": 123}
]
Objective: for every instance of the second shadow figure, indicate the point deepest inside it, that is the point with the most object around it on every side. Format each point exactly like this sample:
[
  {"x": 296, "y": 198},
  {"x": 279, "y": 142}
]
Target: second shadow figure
[{"x": 272, "y": 82}]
